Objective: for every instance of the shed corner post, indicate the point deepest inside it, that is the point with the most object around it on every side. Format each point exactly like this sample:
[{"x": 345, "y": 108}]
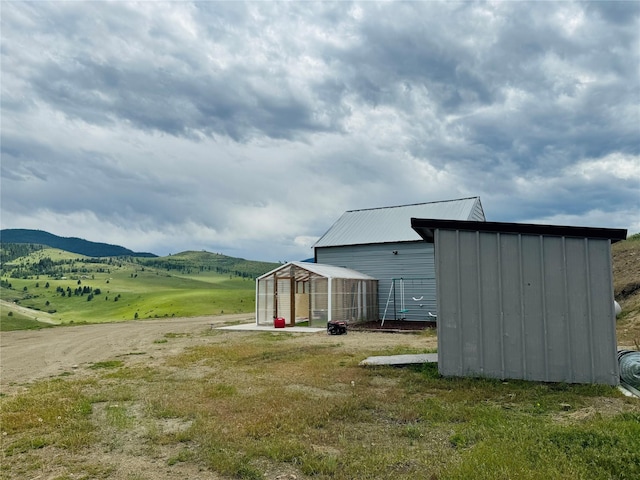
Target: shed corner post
[{"x": 437, "y": 267}]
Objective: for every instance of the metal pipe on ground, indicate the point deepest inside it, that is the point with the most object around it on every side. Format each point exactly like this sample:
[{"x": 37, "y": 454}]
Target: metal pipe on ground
[{"x": 629, "y": 361}]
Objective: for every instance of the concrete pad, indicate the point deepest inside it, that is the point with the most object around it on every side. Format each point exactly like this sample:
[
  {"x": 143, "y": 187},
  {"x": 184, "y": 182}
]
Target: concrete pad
[
  {"x": 399, "y": 360},
  {"x": 252, "y": 327}
]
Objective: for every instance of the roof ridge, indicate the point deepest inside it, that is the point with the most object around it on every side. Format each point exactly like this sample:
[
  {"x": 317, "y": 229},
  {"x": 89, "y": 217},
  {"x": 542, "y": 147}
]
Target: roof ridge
[{"x": 411, "y": 204}]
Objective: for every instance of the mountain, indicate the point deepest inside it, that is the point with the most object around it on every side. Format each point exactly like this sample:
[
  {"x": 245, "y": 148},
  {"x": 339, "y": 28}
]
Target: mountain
[
  {"x": 70, "y": 244},
  {"x": 207, "y": 261}
]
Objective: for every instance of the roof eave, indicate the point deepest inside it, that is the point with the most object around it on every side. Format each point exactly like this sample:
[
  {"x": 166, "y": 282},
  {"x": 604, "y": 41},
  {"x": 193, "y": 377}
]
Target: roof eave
[{"x": 426, "y": 229}]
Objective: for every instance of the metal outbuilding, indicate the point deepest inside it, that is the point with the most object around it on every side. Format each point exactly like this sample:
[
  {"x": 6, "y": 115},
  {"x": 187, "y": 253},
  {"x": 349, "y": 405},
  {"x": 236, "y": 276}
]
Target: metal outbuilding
[
  {"x": 524, "y": 301},
  {"x": 315, "y": 294},
  {"x": 381, "y": 243}
]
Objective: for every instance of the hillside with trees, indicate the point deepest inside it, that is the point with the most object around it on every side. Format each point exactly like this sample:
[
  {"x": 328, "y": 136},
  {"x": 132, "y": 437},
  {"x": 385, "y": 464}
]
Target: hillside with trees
[
  {"x": 69, "y": 244},
  {"x": 194, "y": 262},
  {"x": 47, "y": 284},
  {"x": 30, "y": 260}
]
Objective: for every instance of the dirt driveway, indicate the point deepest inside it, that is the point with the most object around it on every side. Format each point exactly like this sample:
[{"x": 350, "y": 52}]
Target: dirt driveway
[
  {"x": 28, "y": 355},
  {"x": 31, "y": 355}
]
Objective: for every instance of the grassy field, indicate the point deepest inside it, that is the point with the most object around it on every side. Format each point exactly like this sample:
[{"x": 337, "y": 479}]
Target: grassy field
[
  {"x": 260, "y": 405},
  {"x": 121, "y": 290}
]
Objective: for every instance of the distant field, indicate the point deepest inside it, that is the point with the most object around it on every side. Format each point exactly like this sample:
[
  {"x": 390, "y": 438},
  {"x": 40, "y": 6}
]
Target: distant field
[{"x": 90, "y": 291}]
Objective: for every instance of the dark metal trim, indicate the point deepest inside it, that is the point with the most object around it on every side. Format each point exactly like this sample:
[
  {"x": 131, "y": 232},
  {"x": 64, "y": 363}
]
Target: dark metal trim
[{"x": 426, "y": 227}]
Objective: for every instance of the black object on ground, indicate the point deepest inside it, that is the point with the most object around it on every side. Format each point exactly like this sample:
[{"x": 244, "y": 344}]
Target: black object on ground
[{"x": 335, "y": 327}]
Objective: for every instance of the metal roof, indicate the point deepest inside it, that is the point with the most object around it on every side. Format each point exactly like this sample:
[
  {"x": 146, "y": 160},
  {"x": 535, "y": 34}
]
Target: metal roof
[
  {"x": 327, "y": 271},
  {"x": 393, "y": 224},
  {"x": 426, "y": 227}
]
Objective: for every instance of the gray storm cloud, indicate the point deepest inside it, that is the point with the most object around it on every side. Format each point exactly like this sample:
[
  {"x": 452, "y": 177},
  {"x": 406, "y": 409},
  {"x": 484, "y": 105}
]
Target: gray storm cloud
[{"x": 248, "y": 128}]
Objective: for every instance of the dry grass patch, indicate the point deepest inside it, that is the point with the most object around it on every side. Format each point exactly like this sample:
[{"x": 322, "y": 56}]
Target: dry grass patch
[{"x": 253, "y": 406}]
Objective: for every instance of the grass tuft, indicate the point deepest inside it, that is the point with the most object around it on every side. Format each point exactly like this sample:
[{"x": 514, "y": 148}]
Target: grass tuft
[{"x": 107, "y": 364}]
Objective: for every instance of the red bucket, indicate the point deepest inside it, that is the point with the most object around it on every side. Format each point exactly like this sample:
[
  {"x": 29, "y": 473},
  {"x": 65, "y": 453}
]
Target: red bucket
[{"x": 278, "y": 322}]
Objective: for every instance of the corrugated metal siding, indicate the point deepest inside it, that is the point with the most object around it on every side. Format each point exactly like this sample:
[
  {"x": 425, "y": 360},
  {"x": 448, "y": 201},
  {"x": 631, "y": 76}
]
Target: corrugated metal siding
[
  {"x": 414, "y": 259},
  {"x": 393, "y": 224},
  {"x": 532, "y": 307}
]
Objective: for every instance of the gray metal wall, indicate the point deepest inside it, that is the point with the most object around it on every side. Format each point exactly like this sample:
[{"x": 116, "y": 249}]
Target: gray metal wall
[
  {"x": 522, "y": 306},
  {"x": 414, "y": 259}
]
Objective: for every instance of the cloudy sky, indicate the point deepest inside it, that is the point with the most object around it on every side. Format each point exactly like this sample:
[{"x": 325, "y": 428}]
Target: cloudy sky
[{"x": 249, "y": 128}]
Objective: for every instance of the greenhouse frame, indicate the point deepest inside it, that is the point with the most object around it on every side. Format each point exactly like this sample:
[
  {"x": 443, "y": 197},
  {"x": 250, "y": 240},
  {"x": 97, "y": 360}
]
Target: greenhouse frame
[{"x": 313, "y": 294}]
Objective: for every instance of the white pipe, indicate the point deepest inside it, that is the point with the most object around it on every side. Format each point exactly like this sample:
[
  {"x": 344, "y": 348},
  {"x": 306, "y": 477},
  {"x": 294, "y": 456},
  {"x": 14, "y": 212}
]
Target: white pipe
[{"x": 329, "y": 317}]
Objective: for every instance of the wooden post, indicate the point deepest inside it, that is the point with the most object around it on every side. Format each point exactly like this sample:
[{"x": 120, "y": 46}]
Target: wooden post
[{"x": 275, "y": 295}]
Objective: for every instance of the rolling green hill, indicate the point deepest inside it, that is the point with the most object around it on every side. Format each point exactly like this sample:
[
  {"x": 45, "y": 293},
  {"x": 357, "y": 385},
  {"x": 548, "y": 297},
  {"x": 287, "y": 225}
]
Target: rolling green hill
[{"x": 67, "y": 287}]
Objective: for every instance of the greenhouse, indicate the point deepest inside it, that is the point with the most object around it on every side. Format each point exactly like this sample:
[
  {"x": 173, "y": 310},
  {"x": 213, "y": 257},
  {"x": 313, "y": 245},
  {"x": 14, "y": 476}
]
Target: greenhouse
[{"x": 312, "y": 294}]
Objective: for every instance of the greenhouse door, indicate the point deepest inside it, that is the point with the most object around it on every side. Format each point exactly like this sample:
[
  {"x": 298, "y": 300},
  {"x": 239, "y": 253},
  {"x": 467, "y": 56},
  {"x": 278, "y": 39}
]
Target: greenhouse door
[{"x": 301, "y": 304}]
